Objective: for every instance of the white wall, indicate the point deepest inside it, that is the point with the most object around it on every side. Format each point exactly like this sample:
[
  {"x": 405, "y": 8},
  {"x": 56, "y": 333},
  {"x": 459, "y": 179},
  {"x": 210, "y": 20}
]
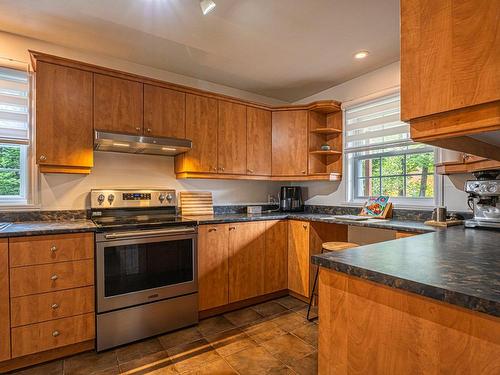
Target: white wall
[
  {"x": 383, "y": 79},
  {"x": 112, "y": 170}
]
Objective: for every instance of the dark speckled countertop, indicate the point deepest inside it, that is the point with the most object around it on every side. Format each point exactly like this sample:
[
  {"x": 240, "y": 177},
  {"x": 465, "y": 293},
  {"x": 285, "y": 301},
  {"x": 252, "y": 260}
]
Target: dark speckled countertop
[
  {"x": 457, "y": 265},
  {"x": 32, "y": 228},
  {"x": 401, "y": 225}
]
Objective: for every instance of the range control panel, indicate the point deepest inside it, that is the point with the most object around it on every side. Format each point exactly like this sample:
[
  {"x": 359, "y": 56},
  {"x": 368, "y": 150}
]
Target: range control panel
[
  {"x": 483, "y": 188},
  {"x": 132, "y": 198}
]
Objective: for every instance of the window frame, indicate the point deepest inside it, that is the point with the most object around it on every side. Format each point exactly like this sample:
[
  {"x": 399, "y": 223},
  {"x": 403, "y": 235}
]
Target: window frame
[
  {"x": 28, "y": 199},
  {"x": 352, "y": 180}
]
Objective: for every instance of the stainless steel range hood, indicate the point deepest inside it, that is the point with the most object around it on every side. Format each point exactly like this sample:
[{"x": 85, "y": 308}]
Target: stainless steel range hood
[{"x": 136, "y": 144}]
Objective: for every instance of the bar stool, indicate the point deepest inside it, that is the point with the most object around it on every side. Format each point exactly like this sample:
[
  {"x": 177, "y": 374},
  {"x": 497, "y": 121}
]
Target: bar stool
[{"x": 327, "y": 247}]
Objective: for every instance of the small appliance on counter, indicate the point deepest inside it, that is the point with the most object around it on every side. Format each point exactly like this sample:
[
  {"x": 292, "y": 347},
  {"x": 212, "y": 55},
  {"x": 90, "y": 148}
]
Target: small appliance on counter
[
  {"x": 483, "y": 199},
  {"x": 146, "y": 265},
  {"x": 291, "y": 199}
]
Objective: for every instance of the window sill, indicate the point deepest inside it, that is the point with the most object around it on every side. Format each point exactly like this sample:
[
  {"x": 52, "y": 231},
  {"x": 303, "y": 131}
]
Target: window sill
[
  {"x": 396, "y": 205},
  {"x": 19, "y": 207}
]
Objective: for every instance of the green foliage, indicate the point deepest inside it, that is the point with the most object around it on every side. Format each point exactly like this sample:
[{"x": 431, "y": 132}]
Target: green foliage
[{"x": 10, "y": 162}]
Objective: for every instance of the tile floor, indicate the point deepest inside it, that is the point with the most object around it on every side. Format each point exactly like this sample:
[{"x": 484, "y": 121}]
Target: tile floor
[{"x": 271, "y": 338}]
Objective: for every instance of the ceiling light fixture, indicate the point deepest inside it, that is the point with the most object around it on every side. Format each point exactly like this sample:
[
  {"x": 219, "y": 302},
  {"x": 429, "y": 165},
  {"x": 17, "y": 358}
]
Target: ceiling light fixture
[
  {"x": 207, "y": 6},
  {"x": 361, "y": 55}
]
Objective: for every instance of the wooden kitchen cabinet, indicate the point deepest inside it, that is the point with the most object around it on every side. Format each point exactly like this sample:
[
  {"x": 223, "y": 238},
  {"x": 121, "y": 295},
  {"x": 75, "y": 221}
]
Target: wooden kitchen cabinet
[
  {"x": 232, "y": 138},
  {"x": 289, "y": 143},
  {"x": 466, "y": 163},
  {"x": 247, "y": 245},
  {"x": 4, "y": 301},
  {"x": 118, "y": 105},
  {"x": 213, "y": 271},
  {"x": 259, "y": 141},
  {"x": 276, "y": 256},
  {"x": 298, "y": 257},
  {"x": 201, "y": 128},
  {"x": 64, "y": 139},
  {"x": 450, "y": 81},
  {"x": 164, "y": 112}
]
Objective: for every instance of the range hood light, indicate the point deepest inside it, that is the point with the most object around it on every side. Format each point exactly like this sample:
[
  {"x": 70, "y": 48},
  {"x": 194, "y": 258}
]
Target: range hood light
[
  {"x": 207, "y": 6},
  {"x": 168, "y": 149},
  {"x": 121, "y": 144}
]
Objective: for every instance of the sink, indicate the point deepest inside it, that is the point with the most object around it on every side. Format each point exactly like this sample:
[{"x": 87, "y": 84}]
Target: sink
[{"x": 3, "y": 226}]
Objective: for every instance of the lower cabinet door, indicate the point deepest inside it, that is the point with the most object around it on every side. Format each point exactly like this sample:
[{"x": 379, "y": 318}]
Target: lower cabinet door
[
  {"x": 246, "y": 260},
  {"x": 276, "y": 265},
  {"x": 298, "y": 257},
  {"x": 4, "y": 301},
  {"x": 213, "y": 279},
  {"x": 39, "y": 337}
]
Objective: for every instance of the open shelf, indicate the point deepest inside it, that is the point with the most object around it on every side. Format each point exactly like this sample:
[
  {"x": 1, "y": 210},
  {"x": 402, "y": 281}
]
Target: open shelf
[
  {"x": 326, "y": 131},
  {"x": 325, "y": 152}
]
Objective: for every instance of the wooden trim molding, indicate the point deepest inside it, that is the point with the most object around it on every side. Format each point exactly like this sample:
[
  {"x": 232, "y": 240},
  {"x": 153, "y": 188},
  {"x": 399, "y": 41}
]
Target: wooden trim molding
[{"x": 217, "y": 176}]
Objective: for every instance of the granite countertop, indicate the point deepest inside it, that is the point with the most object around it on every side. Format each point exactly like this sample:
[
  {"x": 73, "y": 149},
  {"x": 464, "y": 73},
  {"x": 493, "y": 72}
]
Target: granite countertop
[
  {"x": 32, "y": 228},
  {"x": 401, "y": 225},
  {"x": 459, "y": 266}
]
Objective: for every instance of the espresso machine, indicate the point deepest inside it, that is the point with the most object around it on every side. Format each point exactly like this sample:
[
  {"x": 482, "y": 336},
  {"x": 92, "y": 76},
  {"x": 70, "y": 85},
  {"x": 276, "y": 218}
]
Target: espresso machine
[
  {"x": 291, "y": 199},
  {"x": 484, "y": 196}
]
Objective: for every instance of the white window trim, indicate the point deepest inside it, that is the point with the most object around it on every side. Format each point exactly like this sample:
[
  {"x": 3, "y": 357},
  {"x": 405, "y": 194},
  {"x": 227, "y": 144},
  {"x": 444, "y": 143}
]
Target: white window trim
[
  {"x": 398, "y": 202},
  {"x": 31, "y": 175}
]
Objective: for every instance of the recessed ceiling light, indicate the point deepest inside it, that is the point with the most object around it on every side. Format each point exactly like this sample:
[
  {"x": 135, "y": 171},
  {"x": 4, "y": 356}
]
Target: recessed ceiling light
[
  {"x": 361, "y": 55},
  {"x": 207, "y": 6}
]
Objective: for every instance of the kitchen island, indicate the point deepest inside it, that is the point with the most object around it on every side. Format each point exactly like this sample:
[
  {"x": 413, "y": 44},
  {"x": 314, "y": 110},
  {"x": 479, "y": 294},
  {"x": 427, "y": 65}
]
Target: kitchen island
[{"x": 421, "y": 305}]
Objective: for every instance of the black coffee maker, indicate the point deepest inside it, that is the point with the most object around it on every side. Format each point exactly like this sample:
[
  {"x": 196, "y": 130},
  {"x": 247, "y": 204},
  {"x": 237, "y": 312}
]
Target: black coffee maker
[{"x": 291, "y": 199}]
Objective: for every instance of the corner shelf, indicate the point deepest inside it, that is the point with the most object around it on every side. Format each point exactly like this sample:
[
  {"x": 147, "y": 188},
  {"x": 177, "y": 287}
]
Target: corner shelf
[
  {"x": 326, "y": 131},
  {"x": 325, "y": 152}
]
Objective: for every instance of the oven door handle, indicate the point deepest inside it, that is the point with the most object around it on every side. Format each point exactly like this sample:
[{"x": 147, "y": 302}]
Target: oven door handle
[{"x": 149, "y": 233}]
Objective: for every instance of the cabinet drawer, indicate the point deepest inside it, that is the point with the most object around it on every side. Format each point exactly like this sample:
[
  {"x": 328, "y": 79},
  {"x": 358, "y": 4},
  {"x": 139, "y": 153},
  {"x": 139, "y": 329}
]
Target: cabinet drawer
[
  {"x": 48, "y": 306},
  {"x": 27, "y": 251},
  {"x": 51, "y": 277},
  {"x": 39, "y": 337}
]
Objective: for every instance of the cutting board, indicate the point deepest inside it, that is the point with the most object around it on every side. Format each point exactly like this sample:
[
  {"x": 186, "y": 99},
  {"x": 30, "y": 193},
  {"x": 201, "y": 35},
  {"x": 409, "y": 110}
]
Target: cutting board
[{"x": 196, "y": 203}]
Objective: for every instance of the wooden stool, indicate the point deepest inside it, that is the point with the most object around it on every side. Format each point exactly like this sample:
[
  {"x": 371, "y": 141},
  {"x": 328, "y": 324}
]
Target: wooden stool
[{"x": 327, "y": 247}]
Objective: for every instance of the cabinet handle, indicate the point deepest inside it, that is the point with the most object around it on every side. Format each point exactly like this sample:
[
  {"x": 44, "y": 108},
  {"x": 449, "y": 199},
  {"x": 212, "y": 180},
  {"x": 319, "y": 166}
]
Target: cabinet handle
[
  {"x": 303, "y": 172},
  {"x": 55, "y": 306},
  {"x": 214, "y": 169},
  {"x": 56, "y": 333},
  {"x": 53, "y": 248},
  {"x": 138, "y": 129},
  {"x": 304, "y": 226},
  {"x": 54, "y": 277},
  {"x": 42, "y": 158},
  {"x": 250, "y": 170},
  {"x": 148, "y": 130},
  {"x": 212, "y": 230},
  {"x": 221, "y": 169},
  {"x": 232, "y": 228}
]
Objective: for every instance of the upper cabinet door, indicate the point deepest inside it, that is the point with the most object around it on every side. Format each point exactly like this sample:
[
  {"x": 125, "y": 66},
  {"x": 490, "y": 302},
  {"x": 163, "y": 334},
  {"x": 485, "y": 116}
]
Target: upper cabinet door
[
  {"x": 64, "y": 137},
  {"x": 164, "y": 112},
  {"x": 289, "y": 151},
  {"x": 118, "y": 105},
  {"x": 449, "y": 55},
  {"x": 201, "y": 128},
  {"x": 259, "y": 141},
  {"x": 232, "y": 138}
]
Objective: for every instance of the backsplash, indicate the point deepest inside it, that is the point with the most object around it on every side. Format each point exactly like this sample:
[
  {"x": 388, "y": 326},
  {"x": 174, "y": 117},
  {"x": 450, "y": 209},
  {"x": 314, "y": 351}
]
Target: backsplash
[{"x": 13, "y": 216}]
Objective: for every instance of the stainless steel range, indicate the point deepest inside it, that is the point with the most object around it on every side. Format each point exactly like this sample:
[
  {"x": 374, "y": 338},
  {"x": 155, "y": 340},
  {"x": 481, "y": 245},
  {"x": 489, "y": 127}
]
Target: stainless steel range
[{"x": 146, "y": 269}]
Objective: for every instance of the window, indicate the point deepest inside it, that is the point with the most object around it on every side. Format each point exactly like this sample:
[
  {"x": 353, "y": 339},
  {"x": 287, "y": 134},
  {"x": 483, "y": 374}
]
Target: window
[
  {"x": 14, "y": 136},
  {"x": 382, "y": 159}
]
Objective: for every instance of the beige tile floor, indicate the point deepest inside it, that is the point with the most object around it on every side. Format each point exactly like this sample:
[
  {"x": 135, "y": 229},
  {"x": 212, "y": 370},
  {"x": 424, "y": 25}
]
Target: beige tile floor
[{"x": 271, "y": 338}]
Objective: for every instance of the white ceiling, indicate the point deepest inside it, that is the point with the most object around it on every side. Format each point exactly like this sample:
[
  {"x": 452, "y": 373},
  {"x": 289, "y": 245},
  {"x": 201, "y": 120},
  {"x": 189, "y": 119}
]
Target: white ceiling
[{"x": 284, "y": 49}]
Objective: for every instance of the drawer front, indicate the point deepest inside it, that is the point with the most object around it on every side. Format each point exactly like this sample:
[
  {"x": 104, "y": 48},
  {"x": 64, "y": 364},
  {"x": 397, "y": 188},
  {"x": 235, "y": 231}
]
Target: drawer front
[
  {"x": 49, "y": 306},
  {"x": 51, "y": 277},
  {"x": 27, "y": 251},
  {"x": 36, "y": 338}
]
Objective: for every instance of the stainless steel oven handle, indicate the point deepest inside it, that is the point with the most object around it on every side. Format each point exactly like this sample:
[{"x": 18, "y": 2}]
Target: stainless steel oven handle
[{"x": 148, "y": 233}]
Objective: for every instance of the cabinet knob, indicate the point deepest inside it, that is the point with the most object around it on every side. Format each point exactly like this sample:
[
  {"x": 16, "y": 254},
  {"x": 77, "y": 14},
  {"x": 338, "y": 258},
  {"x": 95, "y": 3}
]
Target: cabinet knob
[
  {"x": 54, "y": 277},
  {"x": 56, "y": 333},
  {"x": 232, "y": 228},
  {"x": 250, "y": 170},
  {"x": 148, "y": 130},
  {"x": 55, "y": 306},
  {"x": 42, "y": 158},
  {"x": 303, "y": 172},
  {"x": 53, "y": 248},
  {"x": 304, "y": 226},
  {"x": 212, "y": 230},
  {"x": 138, "y": 129},
  {"x": 221, "y": 169},
  {"x": 214, "y": 169}
]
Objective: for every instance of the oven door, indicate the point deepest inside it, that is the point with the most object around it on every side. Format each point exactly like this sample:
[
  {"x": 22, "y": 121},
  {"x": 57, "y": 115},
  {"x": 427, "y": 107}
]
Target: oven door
[{"x": 137, "y": 267}]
